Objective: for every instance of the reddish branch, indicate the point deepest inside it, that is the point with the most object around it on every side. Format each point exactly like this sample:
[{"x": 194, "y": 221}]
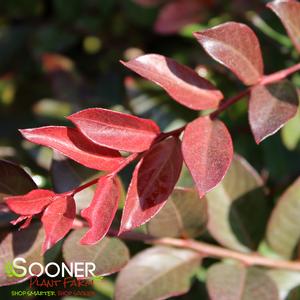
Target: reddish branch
[
  {"x": 205, "y": 250},
  {"x": 249, "y": 259}
]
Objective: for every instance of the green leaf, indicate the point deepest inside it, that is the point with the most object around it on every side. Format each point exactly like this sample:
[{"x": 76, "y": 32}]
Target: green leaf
[
  {"x": 109, "y": 255},
  {"x": 283, "y": 231},
  {"x": 235, "y": 282},
  {"x": 285, "y": 281},
  {"x": 237, "y": 208},
  {"x": 290, "y": 133},
  {"x": 26, "y": 244},
  {"x": 157, "y": 273},
  {"x": 184, "y": 215}
]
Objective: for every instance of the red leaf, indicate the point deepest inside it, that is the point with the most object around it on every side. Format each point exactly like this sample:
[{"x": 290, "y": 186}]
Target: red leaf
[
  {"x": 102, "y": 210},
  {"x": 177, "y": 14},
  {"x": 75, "y": 145},
  {"x": 20, "y": 219},
  {"x": 30, "y": 204},
  {"x": 116, "y": 130},
  {"x": 152, "y": 182},
  {"x": 235, "y": 46},
  {"x": 182, "y": 83},
  {"x": 207, "y": 151},
  {"x": 270, "y": 107},
  {"x": 58, "y": 219},
  {"x": 288, "y": 11}
]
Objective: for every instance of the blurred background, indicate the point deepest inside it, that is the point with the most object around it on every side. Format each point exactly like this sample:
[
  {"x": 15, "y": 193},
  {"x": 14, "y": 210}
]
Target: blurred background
[{"x": 58, "y": 57}]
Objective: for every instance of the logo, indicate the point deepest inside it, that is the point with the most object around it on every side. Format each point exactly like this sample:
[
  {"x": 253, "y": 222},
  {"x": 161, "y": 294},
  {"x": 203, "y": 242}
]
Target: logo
[
  {"x": 75, "y": 275},
  {"x": 18, "y": 268}
]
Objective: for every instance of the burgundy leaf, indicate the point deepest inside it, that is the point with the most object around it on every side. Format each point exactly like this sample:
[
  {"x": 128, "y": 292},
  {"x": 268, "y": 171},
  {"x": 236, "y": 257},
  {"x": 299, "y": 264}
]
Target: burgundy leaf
[
  {"x": 235, "y": 46},
  {"x": 58, "y": 219},
  {"x": 72, "y": 143},
  {"x": 207, "y": 151},
  {"x": 30, "y": 204},
  {"x": 102, "y": 210},
  {"x": 289, "y": 13},
  {"x": 182, "y": 83},
  {"x": 152, "y": 183},
  {"x": 270, "y": 107},
  {"x": 177, "y": 14},
  {"x": 116, "y": 130}
]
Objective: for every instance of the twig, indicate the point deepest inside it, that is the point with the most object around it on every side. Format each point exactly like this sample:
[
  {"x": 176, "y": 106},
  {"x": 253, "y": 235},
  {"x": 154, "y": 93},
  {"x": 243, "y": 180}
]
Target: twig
[
  {"x": 126, "y": 162},
  {"x": 225, "y": 104},
  {"x": 249, "y": 259},
  {"x": 280, "y": 75}
]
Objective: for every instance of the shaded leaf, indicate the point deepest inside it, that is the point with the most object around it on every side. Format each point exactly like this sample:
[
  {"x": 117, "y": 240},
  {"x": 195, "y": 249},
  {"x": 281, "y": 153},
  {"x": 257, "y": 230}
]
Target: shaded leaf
[
  {"x": 237, "y": 208},
  {"x": 207, "y": 151},
  {"x": 116, "y": 130},
  {"x": 241, "y": 55},
  {"x": 234, "y": 282},
  {"x": 283, "y": 231},
  {"x": 184, "y": 215},
  {"x": 157, "y": 273},
  {"x": 177, "y": 14},
  {"x": 270, "y": 107},
  {"x": 58, "y": 219},
  {"x": 30, "y": 204},
  {"x": 102, "y": 210},
  {"x": 26, "y": 244},
  {"x": 14, "y": 180},
  {"x": 72, "y": 143},
  {"x": 109, "y": 255},
  {"x": 288, "y": 11},
  {"x": 182, "y": 83},
  {"x": 152, "y": 183}
]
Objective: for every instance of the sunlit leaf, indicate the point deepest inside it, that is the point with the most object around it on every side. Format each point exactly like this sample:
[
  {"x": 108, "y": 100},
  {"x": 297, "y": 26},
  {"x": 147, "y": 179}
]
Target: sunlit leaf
[
  {"x": 207, "y": 151},
  {"x": 182, "y": 83},
  {"x": 270, "y": 107},
  {"x": 72, "y": 143},
  {"x": 102, "y": 209},
  {"x": 184, "y": 215},
  {"x": 283, "y": 231},
  {"x": 241, "y": 55},
  {"x": 157, "y": 273},
  {"x": 234, "y": 282},
  {"x": 116, "y": 130},
  {"x": 288, "y": 11}
]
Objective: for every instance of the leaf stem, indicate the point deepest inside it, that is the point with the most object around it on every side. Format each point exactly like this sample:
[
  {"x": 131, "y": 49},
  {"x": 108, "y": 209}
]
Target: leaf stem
[
  {"x": 249, "y": 259},
  {"x": 280, "y": 75},
  {"x": 225, "y": 104}
]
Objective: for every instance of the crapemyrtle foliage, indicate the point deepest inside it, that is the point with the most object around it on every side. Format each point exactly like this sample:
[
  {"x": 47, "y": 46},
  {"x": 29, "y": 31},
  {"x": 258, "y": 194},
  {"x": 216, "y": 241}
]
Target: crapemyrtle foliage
[{"x": 202, "y": 150}]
